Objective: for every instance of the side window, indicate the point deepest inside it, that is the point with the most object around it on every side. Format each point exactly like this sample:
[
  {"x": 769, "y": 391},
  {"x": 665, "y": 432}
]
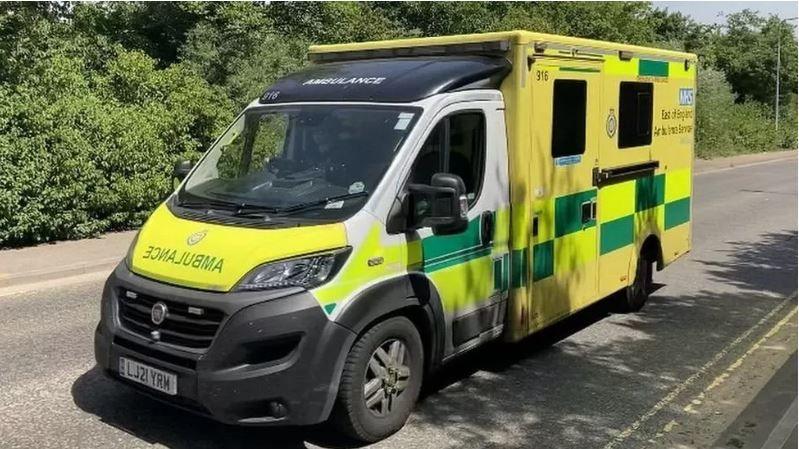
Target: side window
[
  {"x": 568, "y": 118},
  {"x": 635, "y": 114},
  {"x": 457, "y": 146},
  {"x": 430, "y": 159}
]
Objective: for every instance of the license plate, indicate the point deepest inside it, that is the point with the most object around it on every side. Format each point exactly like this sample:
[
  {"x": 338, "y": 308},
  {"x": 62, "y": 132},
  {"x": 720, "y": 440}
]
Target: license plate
[{"x": 149, "y": 376}]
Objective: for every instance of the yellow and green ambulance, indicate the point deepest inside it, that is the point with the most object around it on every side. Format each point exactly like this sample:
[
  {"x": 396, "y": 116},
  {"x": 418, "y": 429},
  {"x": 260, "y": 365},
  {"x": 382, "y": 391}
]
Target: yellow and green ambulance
[{"x": 394, "y": 205}]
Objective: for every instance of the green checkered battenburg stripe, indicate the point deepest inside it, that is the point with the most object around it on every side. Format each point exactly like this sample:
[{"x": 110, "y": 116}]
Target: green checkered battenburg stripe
[
  {"x": 501, "y": 266},
  {"x": 569, "y": 213},
  {"x": 543, "y": 260},
  {"x": 648, "y": 67},
  {"x": 518, "y": 268},
  {"x": 616, "y": 234},
  {"x": 649, "y": 193},
  {"x": 447, "y": 250},
  {"x": 677, "y": 212}
]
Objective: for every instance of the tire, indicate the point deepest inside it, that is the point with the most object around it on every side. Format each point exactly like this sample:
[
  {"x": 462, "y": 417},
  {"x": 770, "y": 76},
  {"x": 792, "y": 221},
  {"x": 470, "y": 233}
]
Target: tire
[
  {"x": 637, "y": 293},
  {"x": 393, "y": 348}
]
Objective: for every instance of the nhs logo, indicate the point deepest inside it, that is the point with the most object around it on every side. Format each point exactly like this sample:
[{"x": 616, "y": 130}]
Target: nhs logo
[{"x": 686, "y": 97}]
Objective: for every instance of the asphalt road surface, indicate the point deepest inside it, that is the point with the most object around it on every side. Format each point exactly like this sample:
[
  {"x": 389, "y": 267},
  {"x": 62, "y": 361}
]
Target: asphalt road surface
[{"x": 598, "y": 380}]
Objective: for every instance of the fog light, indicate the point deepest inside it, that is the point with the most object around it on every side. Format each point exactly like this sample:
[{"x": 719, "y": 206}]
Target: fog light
[{"x": 276, "y": 409}]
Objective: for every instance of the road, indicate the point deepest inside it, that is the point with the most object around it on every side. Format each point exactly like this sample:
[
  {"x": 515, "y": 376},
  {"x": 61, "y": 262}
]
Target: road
[{"x": 598, "y": 380}]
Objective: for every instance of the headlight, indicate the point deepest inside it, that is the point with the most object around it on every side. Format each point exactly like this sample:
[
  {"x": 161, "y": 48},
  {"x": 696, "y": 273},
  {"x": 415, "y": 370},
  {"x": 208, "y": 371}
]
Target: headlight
[{"x": 306, "y": 272}]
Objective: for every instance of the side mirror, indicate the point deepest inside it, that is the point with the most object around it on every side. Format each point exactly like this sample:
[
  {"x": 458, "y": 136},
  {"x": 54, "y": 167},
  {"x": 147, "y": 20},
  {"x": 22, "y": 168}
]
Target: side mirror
[
  {"x": 182, "y": 169},
  {"x": 441, "y": 205}
]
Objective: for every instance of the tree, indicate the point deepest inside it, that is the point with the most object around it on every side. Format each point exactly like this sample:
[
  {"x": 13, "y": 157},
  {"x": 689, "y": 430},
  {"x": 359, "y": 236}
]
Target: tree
[
  {"x": 747, "y": 53},
  {"x": 332, "y": 22},
  {"x": 724, "y": 127},
  {"x": 157, "y": 28}
]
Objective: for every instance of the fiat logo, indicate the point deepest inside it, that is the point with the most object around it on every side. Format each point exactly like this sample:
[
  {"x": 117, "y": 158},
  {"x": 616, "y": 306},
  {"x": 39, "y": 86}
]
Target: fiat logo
[
  {"x": 196, "y": 237},
  {"x": 158, "y": 313}
]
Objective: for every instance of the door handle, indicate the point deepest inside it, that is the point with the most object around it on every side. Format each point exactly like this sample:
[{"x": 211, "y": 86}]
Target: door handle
[
  {"x": 588, "y": 211},
  {"x": 487, "y": 228}
]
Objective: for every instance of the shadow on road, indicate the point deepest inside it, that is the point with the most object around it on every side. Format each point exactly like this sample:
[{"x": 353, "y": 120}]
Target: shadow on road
[
  {"x": 760, "y": 266},
  {"x": 122, "y": 407},
  {"x": 567, "y": 386}
]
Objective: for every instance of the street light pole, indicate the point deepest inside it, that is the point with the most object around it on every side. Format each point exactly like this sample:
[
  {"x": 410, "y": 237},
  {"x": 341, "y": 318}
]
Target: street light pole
[{"x": 777, "y": 97}]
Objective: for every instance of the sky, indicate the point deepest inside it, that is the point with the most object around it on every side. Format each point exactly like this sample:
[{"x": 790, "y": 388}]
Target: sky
[{"x": 713, "y": 12}]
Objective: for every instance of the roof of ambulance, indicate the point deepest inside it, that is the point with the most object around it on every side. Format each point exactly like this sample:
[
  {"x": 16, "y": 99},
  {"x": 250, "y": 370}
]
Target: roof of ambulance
[
  {"x": 388, "y": 80},
  {"x": 408, "y": 70}
]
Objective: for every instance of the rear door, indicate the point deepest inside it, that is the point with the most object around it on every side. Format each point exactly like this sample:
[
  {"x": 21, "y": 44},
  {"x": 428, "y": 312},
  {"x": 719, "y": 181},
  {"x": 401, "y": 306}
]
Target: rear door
[
  {"x": 630, "y": 182},
  {"x": 564, "y": 264}
]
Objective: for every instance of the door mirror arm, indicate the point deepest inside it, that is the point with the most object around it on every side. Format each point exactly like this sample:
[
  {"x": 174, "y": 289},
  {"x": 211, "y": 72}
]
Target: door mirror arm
[
  {"x": 397, "y": 221},
  {"x": 182, "y": 169}
]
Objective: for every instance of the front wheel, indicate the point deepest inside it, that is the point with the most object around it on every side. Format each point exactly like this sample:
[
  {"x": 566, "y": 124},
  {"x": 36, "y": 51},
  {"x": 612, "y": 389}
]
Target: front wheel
[{"x": 381, "y": 381}]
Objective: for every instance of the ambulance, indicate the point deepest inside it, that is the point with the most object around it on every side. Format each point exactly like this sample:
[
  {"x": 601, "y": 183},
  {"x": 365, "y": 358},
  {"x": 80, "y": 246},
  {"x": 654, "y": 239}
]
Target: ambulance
[{"x": 394, "y": 205}]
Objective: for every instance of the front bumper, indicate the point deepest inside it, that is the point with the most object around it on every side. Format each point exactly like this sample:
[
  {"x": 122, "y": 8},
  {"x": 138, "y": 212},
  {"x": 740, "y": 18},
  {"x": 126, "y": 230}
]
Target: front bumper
[{"x": 275, "y": 359}]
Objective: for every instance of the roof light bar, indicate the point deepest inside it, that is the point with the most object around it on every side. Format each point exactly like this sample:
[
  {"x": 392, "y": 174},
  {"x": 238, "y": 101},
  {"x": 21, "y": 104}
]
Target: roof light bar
[{"x": 476, "y": 48}]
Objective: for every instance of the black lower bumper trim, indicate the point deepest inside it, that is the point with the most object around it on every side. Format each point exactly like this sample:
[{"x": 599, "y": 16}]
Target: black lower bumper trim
[{"x": 276, "y": 359}]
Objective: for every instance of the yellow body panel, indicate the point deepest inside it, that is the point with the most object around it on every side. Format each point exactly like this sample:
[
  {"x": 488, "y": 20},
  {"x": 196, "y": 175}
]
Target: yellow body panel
[
  {"x": 678, "y": 184},
  {"x": 220, "y": 255},
  {"x": 574, "y": 252},
  {"x": 358, "y": 273},
  {"x": 615, "y": 201},
  {"x": 461, "y": 294}
]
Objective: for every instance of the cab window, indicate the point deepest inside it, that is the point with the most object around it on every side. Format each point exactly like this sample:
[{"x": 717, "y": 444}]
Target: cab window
[{"x": 456, "y": 145}]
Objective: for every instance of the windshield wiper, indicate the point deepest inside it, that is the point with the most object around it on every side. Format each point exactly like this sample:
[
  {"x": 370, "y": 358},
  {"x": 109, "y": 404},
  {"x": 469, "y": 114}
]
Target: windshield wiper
[
  {"x": 238, "y": 209},
  {"x": 322, "y": 202},
  {"x": 244, "y": 209},
  {"x": 207, "y": 204}
]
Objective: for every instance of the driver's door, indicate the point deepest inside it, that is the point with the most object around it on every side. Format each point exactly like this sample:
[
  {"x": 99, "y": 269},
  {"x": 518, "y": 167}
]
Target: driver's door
[{"x": 469, "y": 269}]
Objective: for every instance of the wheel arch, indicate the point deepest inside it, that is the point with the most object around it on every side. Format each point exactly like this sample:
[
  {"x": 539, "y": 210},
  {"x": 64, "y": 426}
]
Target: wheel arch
[
  {"x": 413, "y": 296},
  {"x": 652, "y": 248}
]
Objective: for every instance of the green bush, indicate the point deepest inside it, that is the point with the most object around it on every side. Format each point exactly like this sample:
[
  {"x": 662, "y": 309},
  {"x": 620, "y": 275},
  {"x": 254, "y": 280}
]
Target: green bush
[
  {"x": 787, "y": 137},
  {"x": 724, "y": 127},
  {"x": 89, "y": 149}
]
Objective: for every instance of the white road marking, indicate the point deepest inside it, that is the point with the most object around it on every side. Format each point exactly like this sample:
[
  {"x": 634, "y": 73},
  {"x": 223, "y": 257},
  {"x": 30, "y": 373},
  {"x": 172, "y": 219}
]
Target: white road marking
[
  {"x": 782, "y": 431},
  {"x": 669, "y": 398}
]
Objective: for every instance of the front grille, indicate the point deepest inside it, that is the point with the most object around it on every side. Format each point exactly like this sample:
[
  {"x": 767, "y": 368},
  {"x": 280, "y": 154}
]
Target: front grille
[
  {"x": 181, "y": 328},
  {"x": 156, "y": 354}
]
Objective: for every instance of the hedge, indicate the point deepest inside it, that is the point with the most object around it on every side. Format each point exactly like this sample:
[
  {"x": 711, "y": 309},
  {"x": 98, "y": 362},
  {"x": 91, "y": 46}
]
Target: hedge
[{"x": 89, "y": 149}]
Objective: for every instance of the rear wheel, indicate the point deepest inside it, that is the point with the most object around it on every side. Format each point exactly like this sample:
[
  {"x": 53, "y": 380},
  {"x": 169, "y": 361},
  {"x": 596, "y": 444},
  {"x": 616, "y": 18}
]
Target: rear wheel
[
  {"x": 637, "y": 293},
  {"x": 381, "y": 381}
]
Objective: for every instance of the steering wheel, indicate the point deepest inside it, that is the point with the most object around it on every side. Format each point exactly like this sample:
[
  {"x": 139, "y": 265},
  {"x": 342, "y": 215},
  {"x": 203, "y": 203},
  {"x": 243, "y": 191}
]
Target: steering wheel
[{"x": 279, "y": 165}]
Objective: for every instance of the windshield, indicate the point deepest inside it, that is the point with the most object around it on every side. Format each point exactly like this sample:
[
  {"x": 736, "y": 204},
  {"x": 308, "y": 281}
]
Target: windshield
[{"x": 314, "y": 160}]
